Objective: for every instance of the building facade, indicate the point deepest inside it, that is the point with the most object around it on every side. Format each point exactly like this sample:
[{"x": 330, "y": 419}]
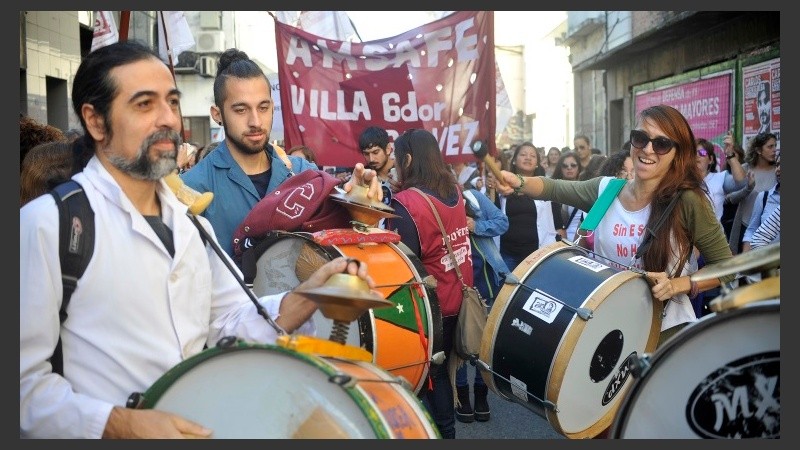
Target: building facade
[{"x": 624, "y": 60}]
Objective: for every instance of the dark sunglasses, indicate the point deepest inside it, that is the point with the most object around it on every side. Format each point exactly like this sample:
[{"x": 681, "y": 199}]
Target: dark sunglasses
[
  {"x": 702, "y": 152},
  {"x": 568, "y": 166},
  {"x": 661, "y": 145}
]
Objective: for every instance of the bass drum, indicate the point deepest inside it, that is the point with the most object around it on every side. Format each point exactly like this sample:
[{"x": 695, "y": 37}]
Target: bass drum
[
  {"x": 402, "y": 338},
  {"x": 559, "y": 342},
  {"x": 250, "y": 391},
  {"x": 717, "y": 378}
]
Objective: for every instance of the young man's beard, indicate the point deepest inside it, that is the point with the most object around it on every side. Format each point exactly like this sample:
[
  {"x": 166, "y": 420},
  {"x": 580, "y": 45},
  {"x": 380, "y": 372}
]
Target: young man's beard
[{"x": 142, "y": 167}]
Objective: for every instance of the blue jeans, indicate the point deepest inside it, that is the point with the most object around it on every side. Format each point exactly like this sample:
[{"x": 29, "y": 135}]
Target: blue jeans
[
  {"x": 461, "y": 377},
  {"x": 439, "y": 401}
]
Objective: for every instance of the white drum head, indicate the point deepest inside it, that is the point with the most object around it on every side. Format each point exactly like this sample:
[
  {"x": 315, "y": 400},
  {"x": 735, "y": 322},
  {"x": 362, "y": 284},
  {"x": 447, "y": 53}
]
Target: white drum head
[{"x": 717, "y": 378}]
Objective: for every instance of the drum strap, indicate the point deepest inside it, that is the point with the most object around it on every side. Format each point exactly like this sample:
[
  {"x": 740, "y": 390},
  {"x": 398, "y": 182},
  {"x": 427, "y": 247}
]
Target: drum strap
[{"x": 601, "y": 205}]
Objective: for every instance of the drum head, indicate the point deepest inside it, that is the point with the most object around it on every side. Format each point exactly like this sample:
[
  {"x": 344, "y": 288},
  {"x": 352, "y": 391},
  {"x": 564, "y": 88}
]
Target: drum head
[
  {"x": 268, "y": 392},
  {"x": 717, "y": 378}
]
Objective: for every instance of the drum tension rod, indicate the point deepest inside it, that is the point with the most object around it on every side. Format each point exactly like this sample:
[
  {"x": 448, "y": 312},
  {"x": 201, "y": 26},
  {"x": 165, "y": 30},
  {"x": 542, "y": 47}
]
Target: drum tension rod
[
  {"x": 348, "y": 381},
  {"x": 546, "y": 404}
]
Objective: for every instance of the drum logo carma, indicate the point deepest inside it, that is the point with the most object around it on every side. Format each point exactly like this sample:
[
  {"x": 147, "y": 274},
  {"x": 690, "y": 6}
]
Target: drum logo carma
[{"x": 618, "y": 381}]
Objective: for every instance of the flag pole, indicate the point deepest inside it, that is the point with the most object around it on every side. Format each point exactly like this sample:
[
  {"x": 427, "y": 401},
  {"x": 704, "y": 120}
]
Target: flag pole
[
  {"x": 172, "y": 69},
  {"x": 124, "y": 25}
]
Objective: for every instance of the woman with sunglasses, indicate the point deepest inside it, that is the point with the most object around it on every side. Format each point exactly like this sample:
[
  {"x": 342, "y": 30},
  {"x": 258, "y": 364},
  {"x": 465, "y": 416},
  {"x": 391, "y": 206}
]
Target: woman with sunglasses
[
  {"x": 719, "y": 183},
  {"x": 568, "y": 168},
  {"x": 664, "y": 158}
]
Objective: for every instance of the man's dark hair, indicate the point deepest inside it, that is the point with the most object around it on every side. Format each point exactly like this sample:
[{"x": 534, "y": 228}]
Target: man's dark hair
[
  {"x": 94, "y": 85},
  {"x": 236, "y": 64},
  {"x": 373, "y": 136}
]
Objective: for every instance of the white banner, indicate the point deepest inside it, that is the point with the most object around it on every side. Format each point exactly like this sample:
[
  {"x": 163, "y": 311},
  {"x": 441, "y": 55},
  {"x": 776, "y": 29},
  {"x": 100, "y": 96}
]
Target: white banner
[
  {"x": 179, "y": 35},
  {"x": 105, "y": 30}
]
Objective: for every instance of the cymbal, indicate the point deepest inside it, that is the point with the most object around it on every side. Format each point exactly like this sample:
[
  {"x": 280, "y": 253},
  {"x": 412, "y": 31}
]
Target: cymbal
[
  {"x": 755, "y": 261},
  {"x": 361, "y": 207},
  {"x": 344, "y": 297}
]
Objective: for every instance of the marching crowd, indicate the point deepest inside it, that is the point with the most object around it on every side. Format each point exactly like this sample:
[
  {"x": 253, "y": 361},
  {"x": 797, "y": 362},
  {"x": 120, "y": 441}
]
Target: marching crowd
[{"x": 155, "y": 293}]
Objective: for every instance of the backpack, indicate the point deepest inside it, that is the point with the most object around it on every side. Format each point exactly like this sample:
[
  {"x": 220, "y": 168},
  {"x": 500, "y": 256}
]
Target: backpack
[
  {"x": 75, "y": 243},
  {"x": 75, "y": 246}
]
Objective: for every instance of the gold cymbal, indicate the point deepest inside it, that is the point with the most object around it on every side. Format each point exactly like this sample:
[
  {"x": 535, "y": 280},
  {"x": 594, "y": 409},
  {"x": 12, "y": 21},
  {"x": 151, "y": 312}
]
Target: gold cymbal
[
  {"x": 362, "y": 208},
  {"x": 344, "y": 297},
  {"x": 759, "y": 260}
]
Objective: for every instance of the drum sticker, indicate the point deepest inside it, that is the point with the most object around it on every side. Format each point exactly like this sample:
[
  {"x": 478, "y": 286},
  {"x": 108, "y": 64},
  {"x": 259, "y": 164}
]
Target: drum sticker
[
  {"x": 618, "y": 381},
  {"x": 588, "y": 263},
  {"x": 739, "y": 400},
  {"x": 542, "y": 306},
  {"x": 518, "y": 388}
]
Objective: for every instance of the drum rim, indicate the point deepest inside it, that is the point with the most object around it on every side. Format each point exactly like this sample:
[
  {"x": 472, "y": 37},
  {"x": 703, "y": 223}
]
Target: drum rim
[
  {"x": 670, "y": 347},
  {"x": 373, "y": 415}
]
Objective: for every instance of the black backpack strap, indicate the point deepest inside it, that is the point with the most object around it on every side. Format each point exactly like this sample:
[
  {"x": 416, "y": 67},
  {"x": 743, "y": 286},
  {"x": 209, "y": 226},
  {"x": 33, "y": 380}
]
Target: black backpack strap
[{"x": 75, "y": 242}]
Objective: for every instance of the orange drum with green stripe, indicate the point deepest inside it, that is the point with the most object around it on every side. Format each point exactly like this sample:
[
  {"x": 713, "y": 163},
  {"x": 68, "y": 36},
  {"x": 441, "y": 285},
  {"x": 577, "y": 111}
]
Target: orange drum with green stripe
[
  {"x": 402, "y": 338},
  {"x": 253, "y": 391}
]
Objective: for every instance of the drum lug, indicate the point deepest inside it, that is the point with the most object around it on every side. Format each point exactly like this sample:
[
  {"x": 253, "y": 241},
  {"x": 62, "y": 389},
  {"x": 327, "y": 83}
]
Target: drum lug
[
  {"x": 550, "y": 406},
  {"x": 227, "y": 342},
  {"x": 640, "y": 366},
  {"x": 511, "y": 279},
  {"x": 135, "y": 400},
  {"x": 342, "y": 379},
  {"x": 584, "y": 313}
]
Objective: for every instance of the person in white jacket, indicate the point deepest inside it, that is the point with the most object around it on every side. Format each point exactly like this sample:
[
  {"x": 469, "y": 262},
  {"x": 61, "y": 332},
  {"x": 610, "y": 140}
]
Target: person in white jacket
[{"x": 153, "y": 294}]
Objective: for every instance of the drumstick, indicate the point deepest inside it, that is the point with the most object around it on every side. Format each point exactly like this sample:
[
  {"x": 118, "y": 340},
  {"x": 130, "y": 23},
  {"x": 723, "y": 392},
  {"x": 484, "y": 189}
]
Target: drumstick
[{"x": 481, "y": 152}]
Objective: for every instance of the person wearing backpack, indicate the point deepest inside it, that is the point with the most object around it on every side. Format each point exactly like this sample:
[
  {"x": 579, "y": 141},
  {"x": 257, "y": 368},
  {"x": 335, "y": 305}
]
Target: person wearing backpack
[{"x": 154, "y": 293}]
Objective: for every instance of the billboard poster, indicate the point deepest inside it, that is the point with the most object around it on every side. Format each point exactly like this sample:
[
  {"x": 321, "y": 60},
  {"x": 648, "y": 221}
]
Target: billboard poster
[
  {"x": 761, "y": 100},
  {"x": 706, "y": 103}
]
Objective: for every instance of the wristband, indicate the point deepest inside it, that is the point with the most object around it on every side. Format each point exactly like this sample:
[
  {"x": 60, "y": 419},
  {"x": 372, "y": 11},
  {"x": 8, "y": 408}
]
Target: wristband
[
  {"x": 518, "y": 189},
  {"x": 727, "y": 156},
  {"x": 694, "y": 289}
]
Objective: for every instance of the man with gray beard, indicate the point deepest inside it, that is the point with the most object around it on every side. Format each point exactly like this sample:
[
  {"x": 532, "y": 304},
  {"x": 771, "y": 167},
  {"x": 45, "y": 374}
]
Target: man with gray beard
[{"x": 154, "y": 293}]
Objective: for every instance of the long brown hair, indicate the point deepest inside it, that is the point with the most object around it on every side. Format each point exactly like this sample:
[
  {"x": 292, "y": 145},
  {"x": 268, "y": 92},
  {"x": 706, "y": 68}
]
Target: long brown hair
[
  {"x": 427, "y": 168},
  {"x": 682, "y": 176}
]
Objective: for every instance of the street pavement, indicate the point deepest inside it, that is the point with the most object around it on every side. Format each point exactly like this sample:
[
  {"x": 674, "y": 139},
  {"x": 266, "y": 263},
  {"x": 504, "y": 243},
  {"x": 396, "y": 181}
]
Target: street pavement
[{"x": 508, "y": 420}]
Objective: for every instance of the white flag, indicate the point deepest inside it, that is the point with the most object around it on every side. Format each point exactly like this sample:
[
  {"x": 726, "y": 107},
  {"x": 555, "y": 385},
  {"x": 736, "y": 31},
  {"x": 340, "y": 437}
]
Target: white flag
[
  {"x": 105, "y": 30},
  {"x": 179, "y": 36},
  {"x": 503, "y": 108},
  {"x": 328, "y": 24}
]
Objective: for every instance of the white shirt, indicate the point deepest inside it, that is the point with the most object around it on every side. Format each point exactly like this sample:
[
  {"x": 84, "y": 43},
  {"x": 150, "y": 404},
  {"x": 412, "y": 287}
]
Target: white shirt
[
  {"x": 136, "y": 313},
  {"x": 572, "y": 227},
  {"x": 618, "y": 236},
  {"x": 719, "y": 184}
]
